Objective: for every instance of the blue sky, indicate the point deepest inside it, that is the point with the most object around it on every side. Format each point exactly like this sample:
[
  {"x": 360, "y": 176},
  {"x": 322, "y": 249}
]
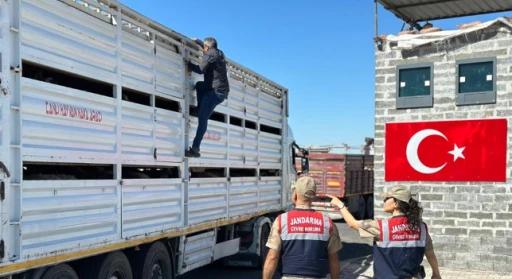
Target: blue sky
[{"x": 323, "y": 53}]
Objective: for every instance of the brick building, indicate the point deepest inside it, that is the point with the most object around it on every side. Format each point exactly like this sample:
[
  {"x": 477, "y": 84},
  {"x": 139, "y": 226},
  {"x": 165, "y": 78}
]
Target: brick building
[{"x": 470, "y": 222}]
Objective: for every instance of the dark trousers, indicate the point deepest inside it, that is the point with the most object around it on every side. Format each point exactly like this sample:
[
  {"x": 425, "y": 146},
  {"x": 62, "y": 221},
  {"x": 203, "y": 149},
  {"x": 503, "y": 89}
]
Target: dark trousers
[{"x": 207, "y": 100}]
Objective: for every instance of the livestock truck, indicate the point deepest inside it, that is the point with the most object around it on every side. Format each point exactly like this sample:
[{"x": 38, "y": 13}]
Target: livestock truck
[
  {"x": 95, "y": 108},
  {"x": 343, "y": 175}
]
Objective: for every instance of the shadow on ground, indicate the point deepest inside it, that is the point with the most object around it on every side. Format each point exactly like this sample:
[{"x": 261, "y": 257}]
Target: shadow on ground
[
  {"x": 358, "y": 269},
  {"x": 354, "y": 250},
  {"x": 353, "y": 247},
  {"x": 350, "y": 251}
]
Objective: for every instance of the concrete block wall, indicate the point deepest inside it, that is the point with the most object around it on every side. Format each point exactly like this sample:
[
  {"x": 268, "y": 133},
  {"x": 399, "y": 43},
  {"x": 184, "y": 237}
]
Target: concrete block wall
[{"x": 470, "y": 223}]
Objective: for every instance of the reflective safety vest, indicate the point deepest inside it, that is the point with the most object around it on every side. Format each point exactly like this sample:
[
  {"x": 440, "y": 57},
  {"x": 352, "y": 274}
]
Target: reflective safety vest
[
  {"x": 401, "y": 250},
  {"x": 305, "y": 237}
]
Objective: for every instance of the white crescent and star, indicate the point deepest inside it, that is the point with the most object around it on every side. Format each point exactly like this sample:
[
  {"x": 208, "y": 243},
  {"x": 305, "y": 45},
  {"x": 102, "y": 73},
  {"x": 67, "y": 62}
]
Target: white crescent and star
[
  {"x": 457, "y": 152},
  {"x": 412, "y": 151}
]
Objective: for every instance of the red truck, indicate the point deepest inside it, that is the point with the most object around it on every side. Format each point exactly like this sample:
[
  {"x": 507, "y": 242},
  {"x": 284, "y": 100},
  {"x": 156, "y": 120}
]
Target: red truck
[{"x": 346, "y": 176}]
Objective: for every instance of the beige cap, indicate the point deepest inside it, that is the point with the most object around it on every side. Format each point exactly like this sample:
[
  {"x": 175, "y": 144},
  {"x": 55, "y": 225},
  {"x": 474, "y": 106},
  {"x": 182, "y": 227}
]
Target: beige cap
[
  {"x": 399, "y": 192},
  {"x": 304, "y": 185}
]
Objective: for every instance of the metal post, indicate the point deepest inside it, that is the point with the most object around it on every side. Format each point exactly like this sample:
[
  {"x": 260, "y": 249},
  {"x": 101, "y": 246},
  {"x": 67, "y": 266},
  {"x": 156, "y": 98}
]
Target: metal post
[
  {"x": 13, "y": 188},
  {"x": 118, "y": 167},
  {"x": 375, "y": 18}
]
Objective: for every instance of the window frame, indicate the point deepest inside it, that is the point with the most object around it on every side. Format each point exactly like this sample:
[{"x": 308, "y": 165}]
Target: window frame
[
  {"x": 426, "y": 101},
  {"x": 476, "y": 98}
]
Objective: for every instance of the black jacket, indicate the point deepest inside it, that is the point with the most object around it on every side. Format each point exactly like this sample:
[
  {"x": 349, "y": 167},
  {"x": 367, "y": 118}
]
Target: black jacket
[{"x": 213, "y": 66}]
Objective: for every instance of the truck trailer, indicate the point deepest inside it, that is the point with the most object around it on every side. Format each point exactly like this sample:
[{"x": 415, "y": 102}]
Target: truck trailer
[
  {"x": 343, "y": 175},
  {"x": 96, "y": 114}
]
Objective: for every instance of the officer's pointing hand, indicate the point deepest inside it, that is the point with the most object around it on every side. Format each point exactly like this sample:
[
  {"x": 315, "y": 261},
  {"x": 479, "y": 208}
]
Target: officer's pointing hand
[{"x": 335, "y": 201}]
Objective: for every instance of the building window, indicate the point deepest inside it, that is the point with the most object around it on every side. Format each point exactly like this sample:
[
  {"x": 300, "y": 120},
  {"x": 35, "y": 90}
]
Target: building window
[
  {"x": 476, "y": 81},
  {"x": 414, "y": 85}
]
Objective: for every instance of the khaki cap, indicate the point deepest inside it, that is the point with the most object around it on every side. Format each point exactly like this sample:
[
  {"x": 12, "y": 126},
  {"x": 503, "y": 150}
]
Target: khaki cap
[
  {"x": 304, "y": 185},
  {"x": 399, "y": 192}
]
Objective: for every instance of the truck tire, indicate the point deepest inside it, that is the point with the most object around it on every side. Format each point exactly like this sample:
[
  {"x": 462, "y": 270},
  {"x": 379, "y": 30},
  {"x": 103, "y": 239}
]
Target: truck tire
[
  {"x": 361, "y": 208},
  {"x": 115, "y": 265},
  {"x": 60, "y": 271},
  {"x": 369, "y": 207},
  {"x": 265, "y": 232},
  {"x": 153, "y": 262}
]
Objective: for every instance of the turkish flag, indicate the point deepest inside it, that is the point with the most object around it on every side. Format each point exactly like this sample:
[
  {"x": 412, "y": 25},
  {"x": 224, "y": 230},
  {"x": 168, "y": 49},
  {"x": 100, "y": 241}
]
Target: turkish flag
[{"x": 461, "y": 150}]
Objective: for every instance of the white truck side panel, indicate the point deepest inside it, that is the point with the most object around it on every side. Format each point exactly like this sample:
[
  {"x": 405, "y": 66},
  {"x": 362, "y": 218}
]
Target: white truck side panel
[
  {"x": 137, "y": 127},
  {"x": 207, "y": 200},
  {"x": 269, "y": 197},
  {"x": 50, "y": 123},
  {"x": 66, "y": 215},
  {"x": 151, "y": 206},
  {"x": 52, "y": 34},
  {"x": 62, "y": 124},
  {"x": 236, "y": 145},
  {"x": 243, "y": 196},
  {"x": 168, "y": 72},
  {"x": 251, "y": 147},
  {"x": 270, "y": 150},
  {"x": 236, "y": 95},
  {"x": 137, "y": 66},
  {"x": 251, "y": 102},
  {"x": 169, "y": 138},
  {"x": 270, "y": 110},
  {"x": 214, "y": 147}
]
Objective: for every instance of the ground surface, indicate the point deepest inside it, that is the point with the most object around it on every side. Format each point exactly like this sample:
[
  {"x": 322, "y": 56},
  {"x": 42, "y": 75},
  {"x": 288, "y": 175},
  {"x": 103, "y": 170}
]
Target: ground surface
[{"x": 353, "y": 247}]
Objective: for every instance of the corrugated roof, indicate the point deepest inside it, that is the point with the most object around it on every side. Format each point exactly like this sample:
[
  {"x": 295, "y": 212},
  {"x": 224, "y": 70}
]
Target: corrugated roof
[
  {"x": 422, "y": 10},
  {"x": 410, "y": 41}
]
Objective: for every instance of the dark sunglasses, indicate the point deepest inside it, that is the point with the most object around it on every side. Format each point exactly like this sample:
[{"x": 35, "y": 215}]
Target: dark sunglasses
[{"x": 386, "y": 199}]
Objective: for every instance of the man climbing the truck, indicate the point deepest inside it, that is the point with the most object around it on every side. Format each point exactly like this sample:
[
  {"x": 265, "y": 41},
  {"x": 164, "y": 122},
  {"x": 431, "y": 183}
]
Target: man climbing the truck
[{"x": 210, "y": 92}]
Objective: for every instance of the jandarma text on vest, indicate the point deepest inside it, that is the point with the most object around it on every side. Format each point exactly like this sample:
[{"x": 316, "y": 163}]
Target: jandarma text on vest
[
  {"x": 401, "y": 228},
  {"x": 402, "y": 232},
  {"x": 306, "y": 220}
]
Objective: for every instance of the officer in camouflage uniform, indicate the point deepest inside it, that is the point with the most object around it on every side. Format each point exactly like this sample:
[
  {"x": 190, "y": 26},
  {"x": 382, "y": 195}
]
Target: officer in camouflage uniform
[
  {"x": 306, "y": 241},
  {"x": 401, "y": 241}
]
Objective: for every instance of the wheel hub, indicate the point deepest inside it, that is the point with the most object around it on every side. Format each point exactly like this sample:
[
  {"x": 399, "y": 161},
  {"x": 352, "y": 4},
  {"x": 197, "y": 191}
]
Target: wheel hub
[{"x": 156, "y": 271}]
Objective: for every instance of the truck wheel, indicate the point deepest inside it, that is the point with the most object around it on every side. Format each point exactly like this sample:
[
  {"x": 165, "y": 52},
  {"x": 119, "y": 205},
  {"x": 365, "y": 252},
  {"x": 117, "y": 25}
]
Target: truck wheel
[
  {"x": 113, "y": 266},
  {"x": 265, "y": 232},
  {"x": 361, "y": 209},
  {"x": 60, "y": 271},
  {"x": 369, "y": 207},
  {"x": 154, "y": 262}
]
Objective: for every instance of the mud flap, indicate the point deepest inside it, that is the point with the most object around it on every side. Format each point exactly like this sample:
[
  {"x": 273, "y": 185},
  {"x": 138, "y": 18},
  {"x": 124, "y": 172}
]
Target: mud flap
[{"x": 226, "y": 248}]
